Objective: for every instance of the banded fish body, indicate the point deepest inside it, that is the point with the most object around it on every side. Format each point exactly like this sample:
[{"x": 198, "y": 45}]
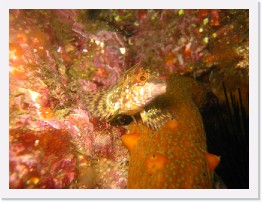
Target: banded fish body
[{"x": 132, "y": 94}]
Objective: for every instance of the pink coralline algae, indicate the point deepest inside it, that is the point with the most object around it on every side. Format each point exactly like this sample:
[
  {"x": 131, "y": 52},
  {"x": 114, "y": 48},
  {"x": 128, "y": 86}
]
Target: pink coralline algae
[
  {"x": 48, "y": 72},
  {"x": 45, "y": 159}
]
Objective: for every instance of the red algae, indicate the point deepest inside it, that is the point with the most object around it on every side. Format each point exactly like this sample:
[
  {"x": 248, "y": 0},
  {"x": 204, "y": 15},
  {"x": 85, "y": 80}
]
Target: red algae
[
  {"x": 175, "y": 155},
  {"x": 41, "y": 159}
]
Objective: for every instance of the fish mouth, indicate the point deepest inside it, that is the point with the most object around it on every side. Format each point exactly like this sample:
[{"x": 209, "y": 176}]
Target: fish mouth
[
  {"x": 159, "y": 81},
  {"x": 155, "y": 91},
  {"x": 159, "y": 88}
]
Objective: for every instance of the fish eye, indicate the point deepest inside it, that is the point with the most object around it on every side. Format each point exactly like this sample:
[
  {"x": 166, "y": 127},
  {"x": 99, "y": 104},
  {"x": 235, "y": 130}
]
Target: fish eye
[{"x": 142, "y": 77}]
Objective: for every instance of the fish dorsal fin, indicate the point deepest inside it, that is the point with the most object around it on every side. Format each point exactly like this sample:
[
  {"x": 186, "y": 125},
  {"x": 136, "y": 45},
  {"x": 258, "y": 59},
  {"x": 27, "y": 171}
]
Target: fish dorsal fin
[
  {"x": 136, "y": 67},
  {"x": 134, "y": 70}
]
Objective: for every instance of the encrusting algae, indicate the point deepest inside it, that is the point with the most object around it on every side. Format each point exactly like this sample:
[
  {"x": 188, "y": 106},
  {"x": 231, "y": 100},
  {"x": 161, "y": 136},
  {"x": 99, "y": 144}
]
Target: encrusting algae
[{"x": 175, "y": 155}]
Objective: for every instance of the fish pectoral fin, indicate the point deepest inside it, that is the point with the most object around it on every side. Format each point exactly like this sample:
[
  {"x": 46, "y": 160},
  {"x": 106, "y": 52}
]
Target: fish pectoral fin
[
  {"x": 113, "y": 116},
  {"x": 155, "y": 117},
  {"x": 134, "y": 119}
]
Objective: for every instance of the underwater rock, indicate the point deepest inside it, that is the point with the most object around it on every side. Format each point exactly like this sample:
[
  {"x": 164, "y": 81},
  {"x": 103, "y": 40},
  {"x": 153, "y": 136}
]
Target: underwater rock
[{"x": 57, "y": 55}]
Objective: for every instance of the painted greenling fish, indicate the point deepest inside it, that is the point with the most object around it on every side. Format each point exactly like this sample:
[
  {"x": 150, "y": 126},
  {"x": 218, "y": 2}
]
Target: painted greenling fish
[{"x": 133, "y": 94}]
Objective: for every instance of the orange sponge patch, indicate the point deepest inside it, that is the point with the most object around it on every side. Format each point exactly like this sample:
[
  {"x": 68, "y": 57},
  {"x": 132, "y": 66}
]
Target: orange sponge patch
[
  {"x": 130, "y": 140},
  {"x": 212, "y": 161},
  {"x": 172, "y": 124},
  {"x": 46, "y": 113},
  {"x": 155, "y": 162}
]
